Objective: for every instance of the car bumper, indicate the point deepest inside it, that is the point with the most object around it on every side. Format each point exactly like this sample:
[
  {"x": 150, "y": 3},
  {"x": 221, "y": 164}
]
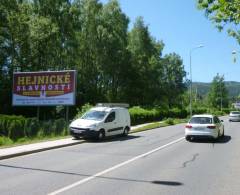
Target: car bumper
[
  {"x": 213, "y": 133},
  {"x": 83, "y": 132},
  {"x": 234, "y": 119}
]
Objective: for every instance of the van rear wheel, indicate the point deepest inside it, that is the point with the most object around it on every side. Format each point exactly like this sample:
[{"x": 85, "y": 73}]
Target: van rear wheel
[{"x": 126, "y": 131}]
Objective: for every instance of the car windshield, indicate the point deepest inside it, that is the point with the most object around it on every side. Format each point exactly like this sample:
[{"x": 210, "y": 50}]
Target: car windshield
[
  {"x": 94, "y": 115},
  {"x": 235, "y": 112},
  {"x": 200, "y": 120}
]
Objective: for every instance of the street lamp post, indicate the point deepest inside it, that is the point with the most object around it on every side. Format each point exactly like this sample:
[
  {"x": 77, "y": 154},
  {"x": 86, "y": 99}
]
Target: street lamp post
[
  {"x": 199, "y": 46},
  {"x": 234, "y": 52}
]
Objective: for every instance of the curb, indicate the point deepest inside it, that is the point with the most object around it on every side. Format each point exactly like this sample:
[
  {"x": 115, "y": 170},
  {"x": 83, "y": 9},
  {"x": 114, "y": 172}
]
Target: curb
[
  {"x": 39, "y": 150},
  {"x": 22, "y": 153}
]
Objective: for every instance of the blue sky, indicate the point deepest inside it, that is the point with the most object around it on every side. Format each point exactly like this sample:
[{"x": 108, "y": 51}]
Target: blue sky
[{"x": 181, "y": 26}]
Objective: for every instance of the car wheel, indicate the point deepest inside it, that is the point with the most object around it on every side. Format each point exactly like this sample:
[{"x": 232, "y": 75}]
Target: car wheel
[
  {"x": 218, "y": 135},
  {"x": 188, "y": 138},
  {"x": 126, "y": 131},
  {"x": 101, "y": 135},
  {"x": 223, "y": 133}
]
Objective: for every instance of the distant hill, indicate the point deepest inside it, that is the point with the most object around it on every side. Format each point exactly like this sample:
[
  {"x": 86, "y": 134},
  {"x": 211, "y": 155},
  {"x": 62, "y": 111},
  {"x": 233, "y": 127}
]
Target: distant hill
[{"x": 233, "y": 88}]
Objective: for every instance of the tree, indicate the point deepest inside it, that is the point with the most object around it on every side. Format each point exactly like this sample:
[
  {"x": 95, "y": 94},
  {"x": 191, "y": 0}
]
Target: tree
[
  {"x": 143, "y": 50},
  {"x": 174, "y": 74},
  {"x": 223, "y": 13},
  {"x": 218, "y": 95},
  {"x": 113, "y": 39}
]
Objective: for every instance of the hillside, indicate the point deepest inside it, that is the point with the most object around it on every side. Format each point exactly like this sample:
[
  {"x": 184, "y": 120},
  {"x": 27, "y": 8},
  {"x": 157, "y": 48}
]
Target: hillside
[{"x": 233, "y": 88}]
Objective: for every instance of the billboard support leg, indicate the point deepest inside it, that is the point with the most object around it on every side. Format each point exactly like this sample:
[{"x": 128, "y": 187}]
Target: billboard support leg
[
  {"x": 67, "y": 113},
  {"x": 38, "y": 112}
]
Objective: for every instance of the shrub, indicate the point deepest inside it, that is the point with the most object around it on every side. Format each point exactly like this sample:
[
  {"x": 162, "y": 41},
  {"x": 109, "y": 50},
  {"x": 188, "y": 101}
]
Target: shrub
[
  {"x": 59, "y": 126},
  {"x": 177, "y": 113},
  {"x": 83, "y": 109},
  {"x": 47, "y": 128},
  {"x": 8, "y": 123},
  {"x": 140, "y": 115},
  {"x": 32, "y": 127},
  {"x": 5, "y": 141},
  {"x": 170, "y": 121},
  {"x": 16, "y": 129},
  {"x": 200, "y": 110}
]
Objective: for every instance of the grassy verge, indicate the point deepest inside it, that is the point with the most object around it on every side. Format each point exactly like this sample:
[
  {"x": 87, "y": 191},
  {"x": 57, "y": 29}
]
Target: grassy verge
[
  {"x": 6, "y": 142},
  {"x": 155, "y": 125}
]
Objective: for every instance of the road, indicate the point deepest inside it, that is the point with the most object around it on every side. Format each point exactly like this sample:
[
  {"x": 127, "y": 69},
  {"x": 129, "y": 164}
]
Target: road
[{"x": 158, "y": 161}]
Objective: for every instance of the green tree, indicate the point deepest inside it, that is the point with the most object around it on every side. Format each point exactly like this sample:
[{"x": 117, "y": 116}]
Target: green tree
[
  {"x": 174, "y": 74},
  {"x": 113, "y": 53},
  {"x": 88, "y": 62},
  {"x": 218, "y": 95},
  {"x": 143, "y": 50},
  {"x": 223, "y": 13}
]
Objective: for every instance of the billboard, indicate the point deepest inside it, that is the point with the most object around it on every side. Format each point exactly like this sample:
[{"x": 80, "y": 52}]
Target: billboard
[{"x": 48, "y": 88}]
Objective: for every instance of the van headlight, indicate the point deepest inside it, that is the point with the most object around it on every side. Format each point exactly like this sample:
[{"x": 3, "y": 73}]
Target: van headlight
[{"x": 93, "y": 126}]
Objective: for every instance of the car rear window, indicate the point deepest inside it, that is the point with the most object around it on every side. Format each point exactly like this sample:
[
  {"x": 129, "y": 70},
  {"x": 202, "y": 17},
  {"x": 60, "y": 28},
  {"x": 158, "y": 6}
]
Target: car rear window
[
  {"x": 200, "y": 120},
  {"x": 235, "y": 112}
]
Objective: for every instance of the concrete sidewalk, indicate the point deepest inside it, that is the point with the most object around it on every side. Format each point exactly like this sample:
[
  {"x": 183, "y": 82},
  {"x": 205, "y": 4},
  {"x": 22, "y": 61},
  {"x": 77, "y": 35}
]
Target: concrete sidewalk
[{"x": 43, "y": 146}]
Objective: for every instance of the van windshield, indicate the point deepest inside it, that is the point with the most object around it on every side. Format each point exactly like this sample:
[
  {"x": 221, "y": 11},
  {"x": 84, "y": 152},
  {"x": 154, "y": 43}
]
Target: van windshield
[{"x": 94, "y": 115}]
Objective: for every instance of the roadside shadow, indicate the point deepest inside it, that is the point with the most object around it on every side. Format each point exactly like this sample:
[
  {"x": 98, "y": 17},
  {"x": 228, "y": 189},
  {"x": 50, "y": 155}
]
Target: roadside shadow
[
  {"x": 221, "y": 140},
  {"x": 114, "y": 138},
  {"x": 168, "y": 183},
  {"x": 39, "y": 170}
]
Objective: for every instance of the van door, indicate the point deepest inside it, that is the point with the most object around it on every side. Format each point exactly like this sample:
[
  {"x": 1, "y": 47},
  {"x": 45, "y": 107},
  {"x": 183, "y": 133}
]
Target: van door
[{"x": 112, "y": 123}]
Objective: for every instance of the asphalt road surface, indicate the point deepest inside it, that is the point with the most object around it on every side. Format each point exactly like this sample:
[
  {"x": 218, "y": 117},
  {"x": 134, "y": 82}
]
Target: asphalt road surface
[{"x": 158, "y": 161}]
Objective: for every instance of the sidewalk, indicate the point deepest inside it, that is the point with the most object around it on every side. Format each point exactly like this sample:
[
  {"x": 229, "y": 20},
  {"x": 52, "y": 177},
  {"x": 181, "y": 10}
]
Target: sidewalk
[{"x": 43, "y": 146}]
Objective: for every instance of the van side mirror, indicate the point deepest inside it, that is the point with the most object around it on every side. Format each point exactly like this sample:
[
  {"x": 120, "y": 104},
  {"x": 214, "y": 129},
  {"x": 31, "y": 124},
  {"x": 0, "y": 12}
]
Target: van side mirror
[{"x": 222, "y": 121}]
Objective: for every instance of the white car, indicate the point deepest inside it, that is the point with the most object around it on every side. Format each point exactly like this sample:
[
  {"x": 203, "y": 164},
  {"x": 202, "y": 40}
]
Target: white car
[
  {"x": 234, "y": 116},
  {"x": 102, "y": 121},
  {"x": 204, "y": 126}
]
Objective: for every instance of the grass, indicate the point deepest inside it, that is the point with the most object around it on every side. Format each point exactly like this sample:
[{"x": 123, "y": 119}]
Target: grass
[
  {"x": 6, "y": 142},
  {"x": 155, "y": 125}
]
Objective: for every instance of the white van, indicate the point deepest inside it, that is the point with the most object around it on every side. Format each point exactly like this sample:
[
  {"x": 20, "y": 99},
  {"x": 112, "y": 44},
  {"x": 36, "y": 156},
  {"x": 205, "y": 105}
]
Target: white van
[{"x": 102, "y": 121}]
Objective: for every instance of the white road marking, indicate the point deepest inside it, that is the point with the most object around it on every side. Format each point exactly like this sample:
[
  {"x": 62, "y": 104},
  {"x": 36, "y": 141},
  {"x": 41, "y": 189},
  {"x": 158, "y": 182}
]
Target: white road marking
[{"x": 113, "y": 168}]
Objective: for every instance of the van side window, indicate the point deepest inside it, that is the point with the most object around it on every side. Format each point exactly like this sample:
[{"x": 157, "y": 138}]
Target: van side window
[{"x": 110, "y": 118}]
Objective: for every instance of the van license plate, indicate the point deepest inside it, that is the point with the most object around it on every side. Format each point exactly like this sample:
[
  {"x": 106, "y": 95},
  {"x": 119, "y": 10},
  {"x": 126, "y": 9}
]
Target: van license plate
[{"x": 77, "y": 131}]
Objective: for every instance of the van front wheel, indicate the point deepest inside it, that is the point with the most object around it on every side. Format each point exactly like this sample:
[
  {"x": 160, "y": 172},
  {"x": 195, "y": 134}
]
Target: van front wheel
[{"x": 101, "y": 135}]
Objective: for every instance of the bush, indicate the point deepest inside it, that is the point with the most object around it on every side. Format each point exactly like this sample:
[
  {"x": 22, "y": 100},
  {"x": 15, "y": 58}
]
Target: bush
[
  {"x": 16, "y": 129},
  {"x": 59, "y": 126},
  {"x": 177, "y": 113},
  {"x": 170, "y": 121},
  {"x": 200, "y": 110},
  {"x": 140, "y": 115},
  {"x": 47, "y": 128},
  {"x": 5, "y": 141},
  {"x": 83, "y": 109},
  {"x": 32, "y": 127},
  {"x": 12, "y": 126}
]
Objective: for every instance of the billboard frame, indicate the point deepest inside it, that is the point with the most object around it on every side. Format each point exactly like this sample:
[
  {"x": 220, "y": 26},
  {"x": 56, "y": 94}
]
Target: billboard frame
[{"x": 45, "y": 105}]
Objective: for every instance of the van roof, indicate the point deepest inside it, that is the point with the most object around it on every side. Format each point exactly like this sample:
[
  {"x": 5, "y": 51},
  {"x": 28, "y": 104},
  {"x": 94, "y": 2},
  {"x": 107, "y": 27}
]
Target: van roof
[
  {"x": 112, "y": 105},
  {"x": 106, "y": 109}
]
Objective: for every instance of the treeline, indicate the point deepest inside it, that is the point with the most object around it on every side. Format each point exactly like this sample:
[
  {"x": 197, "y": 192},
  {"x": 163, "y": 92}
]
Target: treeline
[{"x": 114, "y": 64}]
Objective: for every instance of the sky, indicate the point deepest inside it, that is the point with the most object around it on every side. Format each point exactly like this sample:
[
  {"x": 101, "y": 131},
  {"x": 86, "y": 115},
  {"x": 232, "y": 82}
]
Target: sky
[{"x": 181, "y": 26}]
